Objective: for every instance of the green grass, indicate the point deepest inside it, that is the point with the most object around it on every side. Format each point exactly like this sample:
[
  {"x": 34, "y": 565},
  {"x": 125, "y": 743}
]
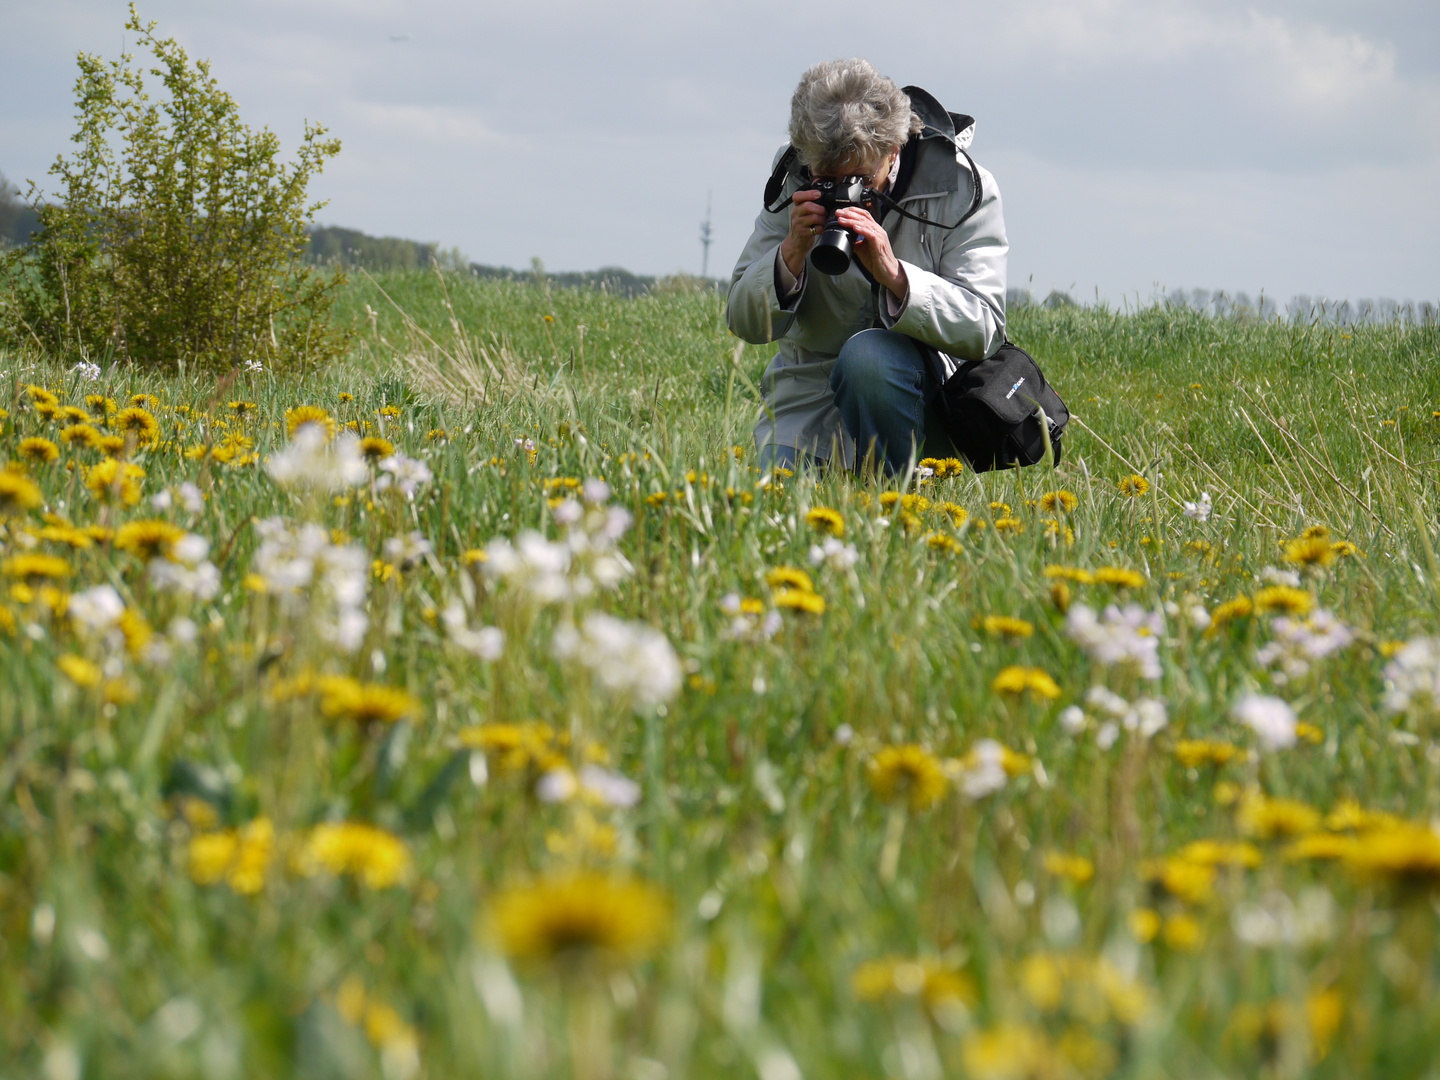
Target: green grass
[{"x": 757, "y": 822}]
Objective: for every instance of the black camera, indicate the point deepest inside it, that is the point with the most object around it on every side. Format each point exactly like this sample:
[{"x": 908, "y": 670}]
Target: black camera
[{"x": 834, "y": 248}]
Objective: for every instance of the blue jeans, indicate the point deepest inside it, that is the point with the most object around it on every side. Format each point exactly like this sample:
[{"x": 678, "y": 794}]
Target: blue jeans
[{"x": 888, "y": 401}]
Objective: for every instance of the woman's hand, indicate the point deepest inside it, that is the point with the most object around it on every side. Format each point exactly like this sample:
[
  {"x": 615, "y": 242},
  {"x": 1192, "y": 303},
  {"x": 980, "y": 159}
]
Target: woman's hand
[
  {"x": 872, "y": 248},
  {"x": 807, "y": 219}
]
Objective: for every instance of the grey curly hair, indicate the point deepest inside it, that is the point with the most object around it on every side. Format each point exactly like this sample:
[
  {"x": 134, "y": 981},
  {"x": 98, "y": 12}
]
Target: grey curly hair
[{"x": 845, "y": 111}]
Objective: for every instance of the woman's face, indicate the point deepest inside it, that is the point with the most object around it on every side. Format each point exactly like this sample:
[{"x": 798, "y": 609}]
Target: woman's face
[{"x": 876, "y": 173}]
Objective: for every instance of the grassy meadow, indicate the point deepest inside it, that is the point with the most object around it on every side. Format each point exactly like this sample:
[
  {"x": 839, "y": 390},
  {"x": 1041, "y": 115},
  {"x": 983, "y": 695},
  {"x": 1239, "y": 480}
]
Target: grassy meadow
[{"x": 351, "y": 727}]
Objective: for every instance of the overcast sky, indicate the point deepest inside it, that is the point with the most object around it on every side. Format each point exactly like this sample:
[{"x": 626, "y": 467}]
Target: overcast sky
[{"x": 1285, "y": 145}]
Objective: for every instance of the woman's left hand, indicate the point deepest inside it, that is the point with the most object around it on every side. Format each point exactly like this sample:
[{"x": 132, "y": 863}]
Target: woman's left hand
[{"x": 872, "y": 248}]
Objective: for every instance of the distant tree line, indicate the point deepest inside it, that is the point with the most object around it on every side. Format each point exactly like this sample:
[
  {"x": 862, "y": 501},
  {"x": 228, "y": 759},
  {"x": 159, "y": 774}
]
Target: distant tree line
[{"x": 1239, "y": 305}]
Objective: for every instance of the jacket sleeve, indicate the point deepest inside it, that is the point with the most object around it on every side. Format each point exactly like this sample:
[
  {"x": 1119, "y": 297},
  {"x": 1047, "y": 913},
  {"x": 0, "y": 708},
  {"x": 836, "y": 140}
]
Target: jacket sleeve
[
  {"x": 961, "y": 309},
  {"x": 753, "y": 310}
]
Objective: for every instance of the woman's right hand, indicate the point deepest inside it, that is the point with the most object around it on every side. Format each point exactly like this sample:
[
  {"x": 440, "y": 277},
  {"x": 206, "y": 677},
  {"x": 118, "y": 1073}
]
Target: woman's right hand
[{"x": 807, "y": 219}]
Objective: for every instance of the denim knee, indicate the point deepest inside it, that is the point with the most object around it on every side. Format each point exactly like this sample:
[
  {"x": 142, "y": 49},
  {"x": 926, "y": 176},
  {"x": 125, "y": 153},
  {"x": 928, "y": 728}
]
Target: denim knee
[{"x": 864, "y": 365}]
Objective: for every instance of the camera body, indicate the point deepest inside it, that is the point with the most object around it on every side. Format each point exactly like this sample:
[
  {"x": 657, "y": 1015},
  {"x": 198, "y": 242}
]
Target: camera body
[{"x": 835, "y": 247}]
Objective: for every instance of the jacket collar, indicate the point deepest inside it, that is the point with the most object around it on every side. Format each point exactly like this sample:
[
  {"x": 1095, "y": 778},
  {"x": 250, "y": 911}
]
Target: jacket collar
[{"x": 938, "y": 165}]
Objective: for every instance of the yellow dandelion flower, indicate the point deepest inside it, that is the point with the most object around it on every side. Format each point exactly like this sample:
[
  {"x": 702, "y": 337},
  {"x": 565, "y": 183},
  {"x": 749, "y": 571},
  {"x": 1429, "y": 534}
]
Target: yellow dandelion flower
[
  {"x": 1407, "y": 854},
  {"x": 1318, "y": 846},
  {"x": 957, "y": 514},
  {"x": 908, "y": 773},
  {"x": 73, "y": 414},
  {"x": 79, "y": 671},
  {"x": 1119, "y": 577},
  {"x": 144, "y": 401},
  {"x": 34, "y": 567},
  {"x": 1265, "y": 818},
  {"x": 1349, "y": 816},
  {"x": 583, "y": 916},
  {"x": 40, "y": 396},
  {"x": 1220, "y": 853},
  {"x": 364, "y": 703},
  {"x": 388, "y": 412},
  {"x": 934, "y": 983},
  {"x": 789, "y": 577},
  {"x": 799, "y": 600},
  {"x": 1009, "y": 525},
  {"x": 148, "y": 540},
  {"x": 239, "y": 857},
  {"x": 1064, "y": 500},
  {"x": 345, "y": 397},
  {"x": 1016, "y": 680},
  {"x": 300, "y": 415},
  {"x": 1192, "y": 882},
  {"x": 1183, "y": 933},
  {"x": 72, "y": 537},
  {"x": 1310, "y": 550},
  {"x": 85, "y": 436},
  {"x": 38, "y": 448},
  {"x": 1069, "y": 573},
  {"x": 18, "y": 493},
  {"x": 1074, "y": 868},
  {"x": 1007, "y": 626},
  {"x": 1192, "y": 753},
  {"x": 512, "y": 748},
  {"x": 1344, "y": 549},
  {"x": 888, "y": 499},
  {"x": 823, "y": 519},
  {"x": 1242, "y": 607},
  {"x": 1060, "y": 595},
  {"x": 1134, "y": 485},
  {"x": 111, "y": 445},
  {"x": 114, "y": 480},
  {"x": 1284, "y": 598},
  {"x": 100, "y": 403},
  {"x": 1144, "y": 924},
  {"x": 1007, "y": 1052},
  {"x": 139, "y": 423},
  {"x": 1309, "y": 733},
  {"x": 656, "y": 499},
  {"x": 944, "y": 542},
  {"x": 474, "y": 557},
  {"x": 378, "y": 858},
  {"x": 375, "y": 448}
]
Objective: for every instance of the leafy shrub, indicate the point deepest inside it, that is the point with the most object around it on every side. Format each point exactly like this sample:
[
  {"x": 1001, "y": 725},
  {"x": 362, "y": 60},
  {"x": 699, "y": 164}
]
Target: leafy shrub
[{"x": 176, "y": 237}]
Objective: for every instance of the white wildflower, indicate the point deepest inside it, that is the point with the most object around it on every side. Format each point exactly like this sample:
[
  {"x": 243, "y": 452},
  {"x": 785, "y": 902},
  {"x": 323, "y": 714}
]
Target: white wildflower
[
  {"x": 834, "y": 553},
  {"x": 1199, "y": 510},
  {"x": 1072, "y": 719},
  {"x": 607, "y": 787},
  {"x": 191, "y": 498},
  {"x": 310, "y": 461},
  {"x": 535, "y": 565},
  {"x": 1273, "y": 575},
  {"x": 198, "y": 580},
  {"x": 1106, "y": 736},
  {"x": 87, "y": 371},
  {"x": 981, "y": 772},
  {"x": 1412, "y": 678},
  {"x": 1272, "y": 720},
  {"x": 1118, "y": 638},
  {"x": 596, "y": 492},
  {"x": 314, "y": 577},
  {"x": 254, "y": 367},
  {"x": 408, "y": 549},
  {"x": 190, "y": 549},
  {"x": 96, "y": 609},
  {"x": 405, "y": 473},
  {"x": 1300, "y": 642},
  {"x": 631, "y": 661},
  {"x": 486, "y": 643},
  {"x": 568, "y": 513},
  {"x": 162, "y": 500},
  {"x": 844, "y": 734}
]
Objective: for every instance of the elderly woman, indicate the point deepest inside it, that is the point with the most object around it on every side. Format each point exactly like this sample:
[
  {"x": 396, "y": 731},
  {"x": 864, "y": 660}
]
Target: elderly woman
[{"x": 851, "y": 377}]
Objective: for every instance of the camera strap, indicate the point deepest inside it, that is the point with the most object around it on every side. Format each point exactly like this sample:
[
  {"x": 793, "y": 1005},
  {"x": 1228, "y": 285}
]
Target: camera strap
[{"x": 776, "y": 184}]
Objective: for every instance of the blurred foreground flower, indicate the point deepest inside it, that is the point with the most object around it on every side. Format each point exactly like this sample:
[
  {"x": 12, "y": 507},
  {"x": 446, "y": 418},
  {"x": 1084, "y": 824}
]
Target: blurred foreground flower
[
  {"x": 586, "y": 917},
  {"x": 908, "y": 774},
  {"x": 378, "y": 858},
  {"x": 1412, "y": 678},
  {"x": 313, "y": 461},
  {"x": 631, "y": 661},
  {"x": 1272, "y": 720},
  {"x": 1127, "y": 637}
]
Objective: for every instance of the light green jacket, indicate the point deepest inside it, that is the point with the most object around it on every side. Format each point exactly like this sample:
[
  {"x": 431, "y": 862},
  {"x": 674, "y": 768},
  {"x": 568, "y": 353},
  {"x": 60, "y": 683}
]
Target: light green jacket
[{"x": 956, "y": 301}]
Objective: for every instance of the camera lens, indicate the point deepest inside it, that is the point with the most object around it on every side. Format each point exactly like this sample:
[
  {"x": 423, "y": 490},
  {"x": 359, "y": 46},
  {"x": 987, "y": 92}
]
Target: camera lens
[{"x": 831, "y": 253}]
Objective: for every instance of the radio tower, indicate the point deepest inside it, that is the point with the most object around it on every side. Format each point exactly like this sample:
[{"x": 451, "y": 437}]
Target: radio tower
[{"x": 705, "y": 236}]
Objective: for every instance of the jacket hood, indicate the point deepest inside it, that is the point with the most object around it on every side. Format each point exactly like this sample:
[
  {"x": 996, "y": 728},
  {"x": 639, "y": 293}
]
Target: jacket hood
[{"x": 957, "y": 127}]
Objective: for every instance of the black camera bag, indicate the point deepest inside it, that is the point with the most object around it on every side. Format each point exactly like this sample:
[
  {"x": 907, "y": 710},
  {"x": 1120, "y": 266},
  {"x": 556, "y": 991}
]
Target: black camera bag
[{"x": 992, "y": 409}]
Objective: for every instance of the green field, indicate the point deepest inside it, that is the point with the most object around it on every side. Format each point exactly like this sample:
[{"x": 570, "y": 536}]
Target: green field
[{"x": 408, "y": 793}]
